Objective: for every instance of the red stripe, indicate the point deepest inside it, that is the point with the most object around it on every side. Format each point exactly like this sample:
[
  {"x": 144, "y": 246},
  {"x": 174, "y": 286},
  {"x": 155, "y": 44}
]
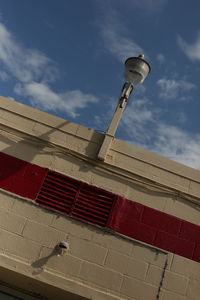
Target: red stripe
[
  {"x": 20, "y": 177},
  {"x": 124, "y": 216}
]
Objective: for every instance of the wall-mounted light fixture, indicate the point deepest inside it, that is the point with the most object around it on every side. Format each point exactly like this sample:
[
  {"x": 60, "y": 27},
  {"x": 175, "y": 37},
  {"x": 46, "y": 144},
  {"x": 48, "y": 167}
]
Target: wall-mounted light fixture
[{"x": 136, "y": 70}]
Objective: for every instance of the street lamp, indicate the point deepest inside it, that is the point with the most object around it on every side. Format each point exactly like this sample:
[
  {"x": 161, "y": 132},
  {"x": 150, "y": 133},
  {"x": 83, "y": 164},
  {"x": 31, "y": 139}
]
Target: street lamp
[{"x": 136, "y": 70}]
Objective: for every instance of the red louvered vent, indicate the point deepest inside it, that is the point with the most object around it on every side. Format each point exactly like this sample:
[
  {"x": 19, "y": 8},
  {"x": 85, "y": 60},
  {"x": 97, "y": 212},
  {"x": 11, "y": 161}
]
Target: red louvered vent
[
  {"x": 93, "y": 204},
  {"x": 76, "y": 199},
  {"x": 58, "y": 192}
]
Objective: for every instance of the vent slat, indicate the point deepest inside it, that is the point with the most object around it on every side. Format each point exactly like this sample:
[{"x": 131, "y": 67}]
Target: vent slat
[
  {"x": 55, "y": 207},
  {"x": 95, "y": 198},
  {"x": 79, "y": 209},
  {"x": 51, "y": 200},
  {"x": 62, "y": 180},
  {"x": 61, "y": 186},
  {"x": 99, "y": 195},
  {"x": 55, "y": 196},
  {"x": 88, "y": 218},
  {"x": 81, "y": 201},
  {"x": 92, "y": 205},
  {"x": 51, "y": 190}
]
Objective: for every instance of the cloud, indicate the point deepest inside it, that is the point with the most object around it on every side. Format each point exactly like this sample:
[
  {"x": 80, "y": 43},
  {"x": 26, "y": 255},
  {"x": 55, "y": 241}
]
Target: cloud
[
  {"x": 35, "y": 72},
  {"x": 43, "y": 97},
  {"x": 192, "y": 51},
  {"x": 115, "y": 37},
  {"x": 144, "y": 129},
  {"x": 178, "y": 145},
  {"x": 174, "y": 89},
  {"x": 121, "y": 47},
  {"x": 24, "y": 64},
  {"x": 136, "y": 117}
]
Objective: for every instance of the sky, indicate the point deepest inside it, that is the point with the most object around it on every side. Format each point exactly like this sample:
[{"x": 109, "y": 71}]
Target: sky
[{"x": 66, "y": 57}]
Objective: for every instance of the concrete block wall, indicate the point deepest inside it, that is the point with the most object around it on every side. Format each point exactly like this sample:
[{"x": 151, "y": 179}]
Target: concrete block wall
[
  {"x": 98, "y": 265},
  {"x": 71, "y": 149},
  {"x": 102, "y": 265}
]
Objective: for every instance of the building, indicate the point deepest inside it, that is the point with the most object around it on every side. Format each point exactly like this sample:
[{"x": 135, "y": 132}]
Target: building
[{"x": 130, "y": 223}]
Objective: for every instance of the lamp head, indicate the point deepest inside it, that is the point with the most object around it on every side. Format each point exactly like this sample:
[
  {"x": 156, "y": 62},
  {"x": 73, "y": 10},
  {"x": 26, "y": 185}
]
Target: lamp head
[{"x": 136, "y": 69}]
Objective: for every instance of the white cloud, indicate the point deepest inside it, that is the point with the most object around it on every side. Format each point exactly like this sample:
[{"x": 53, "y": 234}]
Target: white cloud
[
  {"x": 24, "y": 64},
  {"x": 192, "y": 51},
  {"x": 178, "y": 145},
  {"x": 174, "y": 89},
  {"x": 42, "y": 97},
  {"x": 121, "y": 47},
  {"x": 136, "y": 117},
  {"x": 115, "y": 39},
  {"x": 144, "y": 129},
  {"x": 34, "y": 72}
]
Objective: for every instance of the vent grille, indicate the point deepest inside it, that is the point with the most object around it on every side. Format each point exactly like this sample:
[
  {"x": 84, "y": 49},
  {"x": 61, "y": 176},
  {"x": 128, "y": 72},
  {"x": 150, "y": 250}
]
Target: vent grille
[{"x": 76, "y": 199}]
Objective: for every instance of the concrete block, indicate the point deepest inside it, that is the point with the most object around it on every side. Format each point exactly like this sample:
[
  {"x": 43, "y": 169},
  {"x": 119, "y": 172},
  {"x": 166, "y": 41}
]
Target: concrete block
[
  {"x": 185, "y": 267},
  {"x": 32, "y": 211},
  {"x": 16, "y": 121},
  {"x": 75, "y": 228},
  {"x": 63, "y": 163},
  {"x": 151, "y": 255},
  {"x": 87, "y": 133},
  {"x": 101, "y": 276},
  {"x": 11, "y": 222},
  {"x": 66, "y": 264},
  {"x": 81, "y": 170},
  {"x": 6, "y": 144},
  {"x": 54, "y": 122},
  {"x": 6, "y": 201},
  {"x": 50, "y": 134},
  {"x": 113, "y": 242},
  {"x": 43, "y": 158},
  {"x": 25, "y": 150},
  {"x": 166, "y": 295},
  {"x": 175, "y": 283},
  {"x": 17, "y": 245},
  {"x": 156, "y": 200},
  {"x": 87, "y": 250},
  {"x": 81, "y": 146},
  {"x": 154, "y": 275},
  {"x": 168, "y": 178},
  {"x": 2, "y": 111},
  {"x": 43, "y": 234},
  {"x": 183, "y": 209},
  {"x": 138, "y": 289},
  {"x": 193, "y": 291},
  {"x": 194, "y": 188},
  {"x": 126, "y": 265},
  {"x": 109, "y": 182}
]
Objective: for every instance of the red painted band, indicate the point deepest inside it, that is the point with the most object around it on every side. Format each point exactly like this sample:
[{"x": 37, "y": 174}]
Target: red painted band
[
  {"x": 99, "y": 207},
  {"x": 20, "y": 177}
]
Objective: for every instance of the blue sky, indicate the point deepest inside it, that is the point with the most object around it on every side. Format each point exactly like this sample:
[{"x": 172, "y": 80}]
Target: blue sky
[{"x": 66, "y": 57}]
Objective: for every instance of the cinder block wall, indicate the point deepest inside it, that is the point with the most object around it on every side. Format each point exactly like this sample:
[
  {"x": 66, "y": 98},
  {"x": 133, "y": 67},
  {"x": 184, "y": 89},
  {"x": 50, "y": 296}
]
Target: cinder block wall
[{"x": 99, "y": 264}]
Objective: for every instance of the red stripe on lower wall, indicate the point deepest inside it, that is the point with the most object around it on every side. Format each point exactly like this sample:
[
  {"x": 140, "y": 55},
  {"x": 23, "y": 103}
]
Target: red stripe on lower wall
[
  {"x": 124, "y": 216},
  {"x": 20, "y": 177},
  {"x": 157, "y": 228}
]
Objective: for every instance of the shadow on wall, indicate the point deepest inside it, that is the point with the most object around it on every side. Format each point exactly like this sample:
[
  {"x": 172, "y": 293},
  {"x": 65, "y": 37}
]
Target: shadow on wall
[
  {"x": 40, "y": 263},
  {"x": 31, "y": 147}
]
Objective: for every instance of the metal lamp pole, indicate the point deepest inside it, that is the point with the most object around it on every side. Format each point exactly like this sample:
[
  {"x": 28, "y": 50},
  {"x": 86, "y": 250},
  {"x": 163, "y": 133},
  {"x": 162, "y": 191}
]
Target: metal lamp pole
[{"x": 136, "y": 70}]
